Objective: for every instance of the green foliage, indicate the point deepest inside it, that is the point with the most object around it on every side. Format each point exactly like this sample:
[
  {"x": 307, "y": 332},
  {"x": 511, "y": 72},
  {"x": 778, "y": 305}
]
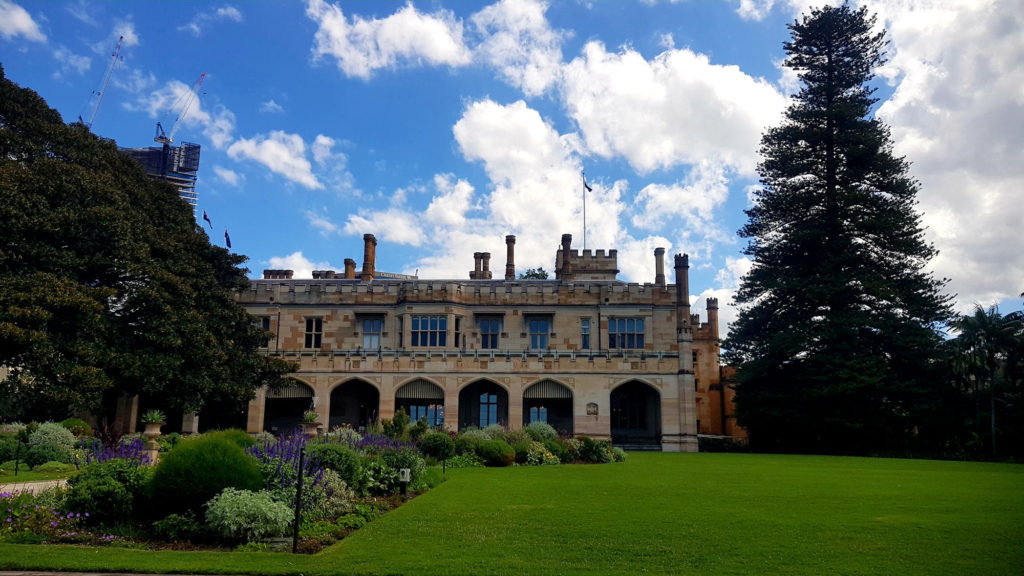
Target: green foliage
[
  {"x": 179, "y": 528},
  {"x": 836, "y": 343},
  {"x": 469, "y": 439},
  {"x": 396, "y": 427},
  {"x": 242, "y": 515},
  {"x": 541, "y": 431},
  {"x": 538, "y": 455},
  {"x": 52, "y": 434},
  {"x": 351, "y": 521},
  {"x": 557, "y": 447},
  {"x": 80, "y": 428},
  {"x": 534, "y": 274},
  {"x": 464, "y": 460},
  {"x": 522, "y": 450},
  {"x": 42, "y": 453},
  {"x": 418, "y": 429},
  {"x": 379, "y": 479},
  {"x": 9, "y": 448},
  {"x": 340, "y": 459},
  {"x": 200, "y": 468},
  {"x": 495, "y": 432},
  {"x": 168, "y": 441},
  {"x": 23, "y": 514},
  {"x": 54, "y": 466},
  {"x": 438, "y": 445},
  {"x": 407, "y": 458},
  {"x": 110, "y": 491},
  {"x": 239, "y": 437},
  {"x": 496, "y": 453},
  {"x": 618, "y": 454},
  {"x": 334, "y": 497},
  {"x": 106, "y": 283},
  {"x": 594, "y": 452}
]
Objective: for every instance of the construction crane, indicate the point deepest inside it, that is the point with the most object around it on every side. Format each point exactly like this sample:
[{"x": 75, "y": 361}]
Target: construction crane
[
  {"x": 103, "y": 87},
  {"x": 188, "y": 99}
]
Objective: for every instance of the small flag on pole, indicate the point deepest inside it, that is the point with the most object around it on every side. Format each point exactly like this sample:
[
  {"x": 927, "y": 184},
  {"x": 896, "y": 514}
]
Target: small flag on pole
[
  {"x": 585, "y": 185},
  {"x": 207, "y": 218},
  {"x": 227, "y": 239}
]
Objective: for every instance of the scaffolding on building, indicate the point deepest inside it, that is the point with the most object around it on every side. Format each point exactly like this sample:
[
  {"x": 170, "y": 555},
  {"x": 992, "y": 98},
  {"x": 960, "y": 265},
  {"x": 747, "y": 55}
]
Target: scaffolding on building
[{"x": 176, "y": 165}]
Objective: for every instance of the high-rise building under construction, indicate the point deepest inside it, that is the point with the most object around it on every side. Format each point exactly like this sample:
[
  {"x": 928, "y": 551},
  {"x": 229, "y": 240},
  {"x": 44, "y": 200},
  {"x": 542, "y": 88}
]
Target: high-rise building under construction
[{"x": 177, "y": 165}]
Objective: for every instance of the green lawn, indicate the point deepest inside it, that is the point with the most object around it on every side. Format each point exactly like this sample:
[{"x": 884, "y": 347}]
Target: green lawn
[
  {"x": 659, "y": 513},
  {"x": 26, "y": 475}
]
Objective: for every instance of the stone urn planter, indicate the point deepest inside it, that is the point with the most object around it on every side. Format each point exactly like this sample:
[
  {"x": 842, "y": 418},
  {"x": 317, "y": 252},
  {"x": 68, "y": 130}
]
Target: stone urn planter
[
  {"x": 310, "y": 423},
  {"x": 152, "y": 420}
]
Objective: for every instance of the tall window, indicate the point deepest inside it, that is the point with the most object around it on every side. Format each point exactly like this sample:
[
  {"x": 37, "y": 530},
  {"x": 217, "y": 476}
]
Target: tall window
[
  {"x": 371, "y": 333},
  {"x": 458, "y": 333},
  {"x": 585, "y": 333},
  {"x": 488, "y": 409},
  {"x": 434, "y": 413},
  {"x": 539, "y": 330},
  {"x": 538, "y": 414},
  {"x": 314, "y": 332},
  {"x": 490, "y": 328},
  {"x": 626, "y": 333},
  {"x": 429, "y": 331}
]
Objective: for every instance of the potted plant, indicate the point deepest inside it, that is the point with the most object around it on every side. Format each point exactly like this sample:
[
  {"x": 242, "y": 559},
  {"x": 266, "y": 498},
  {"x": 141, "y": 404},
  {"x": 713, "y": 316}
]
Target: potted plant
[
  {"x": 310, "y": 422},
  {"x": 153, "y": 419}
]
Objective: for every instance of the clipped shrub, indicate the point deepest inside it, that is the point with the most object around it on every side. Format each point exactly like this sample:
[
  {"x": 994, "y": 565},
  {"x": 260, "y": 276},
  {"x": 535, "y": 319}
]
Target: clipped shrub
[
  {"x": 264, "y": 438},
  {"x": 593, "y": 452},
  {"x": 438, "y": 445},
  {"x": 340, "y": 459},
  {"x": 469, "y": 439},
  {"x": 54, "y": 466},
  {"x": 245, "y": 516},
  {"x": 513, "y": 437},
  {"x": 105, "y": 499},
  {"x": 199, "y": 469},
  {"x": 9, "y": 466},
  {"x": 9, "y": 448},
  {"x": 541, "y": 431},
  {"x": 496, "y": 453},
  {"x": 469, "y": 460},
  {"x": 334, "y": 497},
  {"x": 618, "y": 454},
  {"x": 93, "y": 490},
  {"x": 240, "y": 437},
  {"x": 43, "y": 453},
  {"x": 168, "y": 441},
  {"x": 78, "y": 427}
]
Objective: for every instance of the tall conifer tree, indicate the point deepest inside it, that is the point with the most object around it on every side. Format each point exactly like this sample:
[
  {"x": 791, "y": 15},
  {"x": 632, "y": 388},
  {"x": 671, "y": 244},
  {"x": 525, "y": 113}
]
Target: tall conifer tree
[{"x": 837, "y": 332}]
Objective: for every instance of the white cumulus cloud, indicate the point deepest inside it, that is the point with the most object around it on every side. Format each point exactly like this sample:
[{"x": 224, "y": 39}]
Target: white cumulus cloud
[
  {"x": 226, "y": 175},
  {"x": 202, "y": 20},
  {"x": 301, "y": 266},
  {"x": 217, "y": 125},
  {"x": 70, "y": 62},
  {"x": 271, "y": 107},
  {"x": 520, "y": 44},
  {"x": 282, "y": 153},
  {"x": 15, "y": 22},
  {"x": 361, "y": 46}
]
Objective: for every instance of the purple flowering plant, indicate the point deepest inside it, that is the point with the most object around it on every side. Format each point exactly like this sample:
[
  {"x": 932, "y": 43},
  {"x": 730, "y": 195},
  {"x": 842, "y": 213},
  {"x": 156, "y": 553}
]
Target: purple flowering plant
[
  {"x": 279, "y": 462},
  {"x": 20, "y": 513},
  {"x": 131, "y": 450}
]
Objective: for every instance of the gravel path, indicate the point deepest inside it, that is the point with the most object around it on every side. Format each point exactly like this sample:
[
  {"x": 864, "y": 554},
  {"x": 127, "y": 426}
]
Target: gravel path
[{"x": 32, "y": 487}]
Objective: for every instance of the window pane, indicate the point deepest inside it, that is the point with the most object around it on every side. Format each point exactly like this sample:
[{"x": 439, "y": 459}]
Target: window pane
[
  {"x": 442, "y": 339},
  {"x": 415, "y": 322}
]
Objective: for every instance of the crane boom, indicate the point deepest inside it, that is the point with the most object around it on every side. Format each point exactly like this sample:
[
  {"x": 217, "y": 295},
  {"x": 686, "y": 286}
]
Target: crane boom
[
  {"x": 189, "y": 99},
  {"x": 103, "y": 86}
]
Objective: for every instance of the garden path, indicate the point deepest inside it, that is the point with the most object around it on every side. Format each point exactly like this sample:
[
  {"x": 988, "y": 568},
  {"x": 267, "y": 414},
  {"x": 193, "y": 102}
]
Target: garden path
[{"x": 32, "y": 487}]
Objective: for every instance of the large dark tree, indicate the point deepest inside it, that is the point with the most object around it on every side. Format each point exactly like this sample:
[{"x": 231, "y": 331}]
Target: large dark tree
[
  {"x": 106, "y": 284},
  {"x": 836, "y": 341}
]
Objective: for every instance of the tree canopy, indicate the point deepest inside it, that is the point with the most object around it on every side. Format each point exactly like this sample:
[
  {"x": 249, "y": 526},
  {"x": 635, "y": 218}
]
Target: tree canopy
[
  {"x": 107, "y": 286},
  {"x": 837, "y": 339},
  {"x": 534, "y": 274}
]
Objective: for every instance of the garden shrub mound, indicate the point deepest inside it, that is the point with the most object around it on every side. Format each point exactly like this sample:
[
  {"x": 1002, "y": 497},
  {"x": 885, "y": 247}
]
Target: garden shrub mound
[
  {"x": 244, "y": 516},
  {"x": 113, "y": 491},
  {"x": 496, "y": 453},
  {"x": 240, "y": 437},
  {"x": 341, "y": 459},
  {"x": 198, "y": 469}
]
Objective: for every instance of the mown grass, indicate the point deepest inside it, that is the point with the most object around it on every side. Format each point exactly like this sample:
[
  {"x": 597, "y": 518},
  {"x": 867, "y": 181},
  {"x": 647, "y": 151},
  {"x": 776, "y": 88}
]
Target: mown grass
[
  {"x": 659, "y": 514},
  {"x": 25, "y": 475}
]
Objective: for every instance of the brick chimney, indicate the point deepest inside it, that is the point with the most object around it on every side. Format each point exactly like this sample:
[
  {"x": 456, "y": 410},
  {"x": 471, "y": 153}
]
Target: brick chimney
[
  {"x": 510, "y": 257},
  {"x": 565, "y": 266},
  {"x": 369, "y": 257},
  {"x": 350, "y": 269},
  {"x": 277, "y": 274},
  {"x": 485, "y": 273},
  {"x": 712, "y": 305}
]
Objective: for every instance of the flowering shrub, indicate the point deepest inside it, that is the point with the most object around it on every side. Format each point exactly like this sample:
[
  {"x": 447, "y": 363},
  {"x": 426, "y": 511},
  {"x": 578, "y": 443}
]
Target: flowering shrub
[
  {"x": 241, "y": 515},
  {"x": 539, "y": 455},
  {"x": 572, "y": 449},
  {"x": 21, "y": 513},
  {"x": 339, "y": 459},
  {"x": 128, "y": 449},
  {"x": 279, "y": 465},
  {"x": 344, "y": 434},
  {"x": 335, "y": 497}
]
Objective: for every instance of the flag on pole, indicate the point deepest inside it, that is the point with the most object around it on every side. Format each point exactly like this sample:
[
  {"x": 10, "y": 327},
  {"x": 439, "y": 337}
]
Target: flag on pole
[
  {"x": 227, "y": 239},
  {"x": 585, "y": 185},
  {"x": 207, "y": 218}
]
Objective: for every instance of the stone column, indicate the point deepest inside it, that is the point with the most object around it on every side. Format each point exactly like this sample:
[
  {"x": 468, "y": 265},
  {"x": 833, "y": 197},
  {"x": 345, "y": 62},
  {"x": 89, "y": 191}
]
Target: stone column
[{"x": 510, "y": 259}]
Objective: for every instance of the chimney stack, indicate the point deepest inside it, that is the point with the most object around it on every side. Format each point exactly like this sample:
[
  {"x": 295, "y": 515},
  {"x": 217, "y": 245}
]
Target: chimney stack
[
  {"x": 475, "y": 274},
  {"x": 485, "y": 273},
  {"x": 350, "y": 269},
  {"x": 682, "y": 292},
  {"x": 277, "y": 274},
  {"x": 712, "y": 305},
  {"x": 369, "y": 257},
  {"x": 510, "y": 260},
  {"x": 566, "y": 264},
  {"x": 659, "y": 267}
]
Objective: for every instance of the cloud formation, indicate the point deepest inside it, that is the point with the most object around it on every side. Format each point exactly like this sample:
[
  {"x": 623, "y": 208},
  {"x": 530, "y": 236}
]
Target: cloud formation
[
  {"x": 520, "y": 44},
  {"x": 302, "y": 266},
  {"x": 218, "y": 125},
  {"x": 70, "y": 62},
  {"x": 16, "y": 22},
  {"x": 362, "y": 46},
  {"x": 282, "y": 153},
  {"x": 204, "y": 19}
]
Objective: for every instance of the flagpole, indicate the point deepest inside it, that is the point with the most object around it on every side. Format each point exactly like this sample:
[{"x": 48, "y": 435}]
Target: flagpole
[{"x": 584, "y": 175}]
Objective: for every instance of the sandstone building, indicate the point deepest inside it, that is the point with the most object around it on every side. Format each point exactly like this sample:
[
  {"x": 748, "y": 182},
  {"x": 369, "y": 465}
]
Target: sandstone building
[{"x": 585, "y": 352}]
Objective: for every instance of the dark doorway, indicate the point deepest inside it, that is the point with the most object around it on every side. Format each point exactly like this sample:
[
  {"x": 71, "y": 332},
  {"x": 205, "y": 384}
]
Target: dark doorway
[
  {"x": 551, "y": 402},
  {"x": 636, "y": 414},
  {"x": 283, "y": 409},
  {"x": 355, "y": 403},
  {"x": 482, "y": 404},
  {"x": 421, "y": 399}
]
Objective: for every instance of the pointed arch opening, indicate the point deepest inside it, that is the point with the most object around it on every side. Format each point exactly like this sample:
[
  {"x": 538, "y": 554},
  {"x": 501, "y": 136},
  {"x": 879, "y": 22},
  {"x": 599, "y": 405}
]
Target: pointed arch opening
[
  {"x": 421, "y": 399},
  {"x": 636, "y": 414},
  {"x": 483, "y": 403},
  {"x": 551, "y": 402},
  {"x": 355, "y": 403},
  {"x": 283, "y": 408}
]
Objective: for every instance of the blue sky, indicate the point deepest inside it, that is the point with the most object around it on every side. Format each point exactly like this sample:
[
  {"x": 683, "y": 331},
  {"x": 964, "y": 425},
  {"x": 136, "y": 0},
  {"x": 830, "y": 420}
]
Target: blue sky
[{"x": 440, "y": 127}]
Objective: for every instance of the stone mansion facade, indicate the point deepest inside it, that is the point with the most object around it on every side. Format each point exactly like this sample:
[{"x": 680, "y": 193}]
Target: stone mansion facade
[{"x": 585, "y": 352}]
